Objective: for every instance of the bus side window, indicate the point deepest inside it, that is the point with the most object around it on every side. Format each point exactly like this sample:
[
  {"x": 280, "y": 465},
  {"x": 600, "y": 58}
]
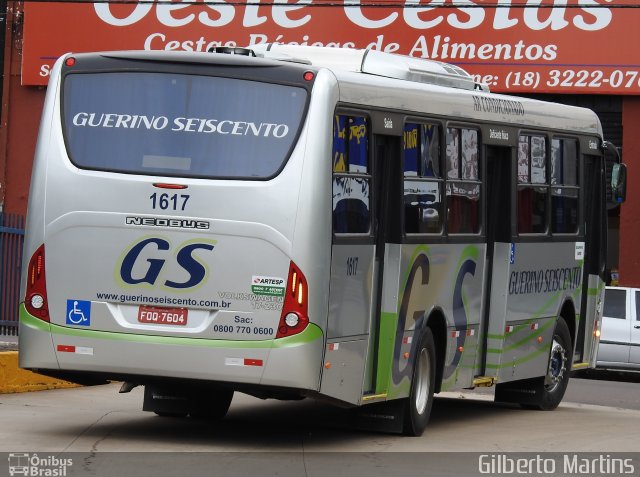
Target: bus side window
[
  {"x": 463, "y": 186},
  {"x": 564, "y": 186},
  {"x": 532, "y": 184},
  {"x": 351, "y": 175},
  {"x": 423, "y": 211}
]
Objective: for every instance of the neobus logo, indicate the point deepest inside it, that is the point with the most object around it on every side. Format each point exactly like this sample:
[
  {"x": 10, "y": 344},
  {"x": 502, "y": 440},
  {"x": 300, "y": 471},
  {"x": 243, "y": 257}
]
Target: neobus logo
[
  {"x": 143, "y": 263},
  {"x": 162, "y": 222}
]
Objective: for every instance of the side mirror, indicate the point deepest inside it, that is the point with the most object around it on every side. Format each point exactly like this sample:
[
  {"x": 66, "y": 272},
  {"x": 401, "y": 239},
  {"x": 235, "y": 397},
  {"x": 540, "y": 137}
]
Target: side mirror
[
  {"x": 619, "y": 183},
  {"x": 616, "y": 176}
]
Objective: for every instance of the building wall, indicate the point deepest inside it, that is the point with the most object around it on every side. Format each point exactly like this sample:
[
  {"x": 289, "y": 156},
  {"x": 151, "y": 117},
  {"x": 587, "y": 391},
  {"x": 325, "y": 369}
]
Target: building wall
[
  {"x": 24, "y": 109},
  {"x": 630, "y": 212},
  {"x": 21, "y": 111}
]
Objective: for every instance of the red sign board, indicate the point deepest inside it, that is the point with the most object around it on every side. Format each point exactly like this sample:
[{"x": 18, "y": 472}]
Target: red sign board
[{"x": 559, "y": 46}]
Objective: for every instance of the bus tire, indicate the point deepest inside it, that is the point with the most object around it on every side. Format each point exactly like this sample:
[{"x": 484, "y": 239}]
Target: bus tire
[
  {"x": 417, "y": 407},
  {"x": 554, "y": 384},
  {"x": 211, "y": 405},
  {"x": 546, "y": 392}
]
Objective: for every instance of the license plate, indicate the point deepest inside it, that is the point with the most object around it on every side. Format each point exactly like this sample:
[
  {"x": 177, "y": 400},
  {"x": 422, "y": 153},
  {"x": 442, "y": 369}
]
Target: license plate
[{"x": 162, "y": 316}]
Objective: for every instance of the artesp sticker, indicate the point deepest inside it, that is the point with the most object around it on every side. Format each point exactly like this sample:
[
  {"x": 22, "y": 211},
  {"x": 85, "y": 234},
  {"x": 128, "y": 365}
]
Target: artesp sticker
[{"x": 272, "y": 286}]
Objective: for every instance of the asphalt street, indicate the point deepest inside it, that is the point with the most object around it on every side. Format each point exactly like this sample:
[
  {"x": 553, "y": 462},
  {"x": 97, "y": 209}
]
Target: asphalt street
[{"x": 104, "y": 433}]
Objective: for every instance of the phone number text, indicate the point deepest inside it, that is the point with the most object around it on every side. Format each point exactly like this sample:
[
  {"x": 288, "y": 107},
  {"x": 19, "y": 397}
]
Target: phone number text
[{"x": 570, "y": 78}]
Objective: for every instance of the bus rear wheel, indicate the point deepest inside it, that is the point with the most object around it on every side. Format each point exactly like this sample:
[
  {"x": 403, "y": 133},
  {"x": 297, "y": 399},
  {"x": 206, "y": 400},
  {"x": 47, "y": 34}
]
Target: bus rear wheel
[
  {"x": 211, "y": 405},
  {"x": 417, "y": 407}
]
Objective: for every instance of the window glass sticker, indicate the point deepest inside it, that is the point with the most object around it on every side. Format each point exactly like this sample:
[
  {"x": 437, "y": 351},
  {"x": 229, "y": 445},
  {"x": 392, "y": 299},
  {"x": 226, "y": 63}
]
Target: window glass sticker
[
  {"x": 523, "y": 159},
  {"x": 453, "y": 153}
]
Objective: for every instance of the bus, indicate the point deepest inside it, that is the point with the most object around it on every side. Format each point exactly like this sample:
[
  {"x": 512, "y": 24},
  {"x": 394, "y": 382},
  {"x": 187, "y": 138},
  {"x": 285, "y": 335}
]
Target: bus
[{"x": 355, "y": 226}]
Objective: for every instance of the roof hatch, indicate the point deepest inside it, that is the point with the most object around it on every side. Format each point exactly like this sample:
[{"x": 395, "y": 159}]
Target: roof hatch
[{"x": 374, "y": 62}]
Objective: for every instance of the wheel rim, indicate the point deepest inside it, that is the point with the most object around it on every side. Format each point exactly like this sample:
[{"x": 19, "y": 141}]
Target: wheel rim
[
  {"x": 423, "y": 372},
  {"x": 557, "y": 366}
]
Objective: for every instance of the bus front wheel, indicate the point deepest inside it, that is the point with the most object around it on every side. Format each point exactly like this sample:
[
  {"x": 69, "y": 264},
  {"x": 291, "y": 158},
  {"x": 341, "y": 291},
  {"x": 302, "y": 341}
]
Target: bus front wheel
[
  {"x": 552, "y": 387},
  {"x": 417, "y": 406},
  {"x": 545, "y": 392}
]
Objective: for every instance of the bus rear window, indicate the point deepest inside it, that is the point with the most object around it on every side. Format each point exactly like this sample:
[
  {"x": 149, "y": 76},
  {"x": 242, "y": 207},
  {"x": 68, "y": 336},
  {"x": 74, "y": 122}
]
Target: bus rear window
[{"x": 180, "y": 125}]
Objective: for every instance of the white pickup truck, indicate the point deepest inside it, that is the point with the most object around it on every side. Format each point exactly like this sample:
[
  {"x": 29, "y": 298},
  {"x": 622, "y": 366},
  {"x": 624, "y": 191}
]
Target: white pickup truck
[{"x": 620, "y": 339}]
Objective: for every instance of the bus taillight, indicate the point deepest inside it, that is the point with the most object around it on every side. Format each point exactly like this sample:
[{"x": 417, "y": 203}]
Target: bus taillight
[
  {"x": 294, "y": 317},
  {"x": 36, "y": 296}
]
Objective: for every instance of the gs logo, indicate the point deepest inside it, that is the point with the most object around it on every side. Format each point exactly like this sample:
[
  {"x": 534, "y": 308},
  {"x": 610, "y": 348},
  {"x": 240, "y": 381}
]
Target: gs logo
[
  {"x": 140, "y": 264},
  {"x": 420, "y": 274}
]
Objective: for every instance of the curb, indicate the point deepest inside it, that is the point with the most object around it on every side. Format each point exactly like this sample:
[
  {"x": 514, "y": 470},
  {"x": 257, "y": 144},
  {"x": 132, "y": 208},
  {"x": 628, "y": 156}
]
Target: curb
[{"x": 16, "y": 380}]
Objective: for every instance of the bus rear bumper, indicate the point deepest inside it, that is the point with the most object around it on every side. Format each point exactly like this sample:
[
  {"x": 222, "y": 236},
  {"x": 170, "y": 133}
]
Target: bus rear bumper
[{"x": 293, "y": 362}]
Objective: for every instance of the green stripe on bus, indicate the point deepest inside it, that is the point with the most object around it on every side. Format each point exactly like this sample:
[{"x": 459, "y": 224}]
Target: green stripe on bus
[
  {"x": 311, "y": 333},
  {"x": 522, "y": 360},
  {"x": 531, "y": 336},
  {"x": 386, "y": 343}
]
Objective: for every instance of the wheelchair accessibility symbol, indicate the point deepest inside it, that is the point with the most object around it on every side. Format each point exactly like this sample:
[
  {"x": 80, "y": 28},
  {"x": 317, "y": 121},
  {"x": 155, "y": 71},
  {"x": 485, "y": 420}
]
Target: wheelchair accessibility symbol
[{"x": 78, "y": 312}]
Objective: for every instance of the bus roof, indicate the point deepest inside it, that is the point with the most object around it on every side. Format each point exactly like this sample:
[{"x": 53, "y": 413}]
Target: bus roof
[
  {"x": 422, "y": 85},
  {"x": 409, "y": 84}
]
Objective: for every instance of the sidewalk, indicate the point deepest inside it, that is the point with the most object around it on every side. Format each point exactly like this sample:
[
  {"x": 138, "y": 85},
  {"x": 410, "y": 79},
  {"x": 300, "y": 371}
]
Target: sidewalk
[{"x": 16, "y": 380}]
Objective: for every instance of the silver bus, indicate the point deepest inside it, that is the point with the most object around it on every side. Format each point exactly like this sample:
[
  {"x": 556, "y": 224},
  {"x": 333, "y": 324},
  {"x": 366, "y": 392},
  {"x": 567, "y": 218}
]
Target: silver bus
[{"x": 290, "y": 222}]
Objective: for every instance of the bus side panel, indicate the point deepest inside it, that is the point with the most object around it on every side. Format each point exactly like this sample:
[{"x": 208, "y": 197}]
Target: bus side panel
[
  {"x": 593, "y": 319},
  {"x": 541, "y": 278},
  {"x": 36, "y": 346},
  {"x": 350, "y": 312},
  {"x": 312, "y": 235},
  {"x": 435, "y": 280},
  {"x": 37, "y": 189},
  {"x": 351, "y": 290}
]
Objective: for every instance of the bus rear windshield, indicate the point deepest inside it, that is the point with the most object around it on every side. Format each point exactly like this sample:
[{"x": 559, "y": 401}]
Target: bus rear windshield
[{"x": 180, "y": 125}]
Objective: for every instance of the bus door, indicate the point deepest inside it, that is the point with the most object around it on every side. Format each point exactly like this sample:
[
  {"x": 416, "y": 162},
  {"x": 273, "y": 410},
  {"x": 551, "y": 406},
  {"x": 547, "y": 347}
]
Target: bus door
[
  {"x": 362, "y": 196},
  {"x": 499, "y": 229},
  {"x": 594, "y": 262}
]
